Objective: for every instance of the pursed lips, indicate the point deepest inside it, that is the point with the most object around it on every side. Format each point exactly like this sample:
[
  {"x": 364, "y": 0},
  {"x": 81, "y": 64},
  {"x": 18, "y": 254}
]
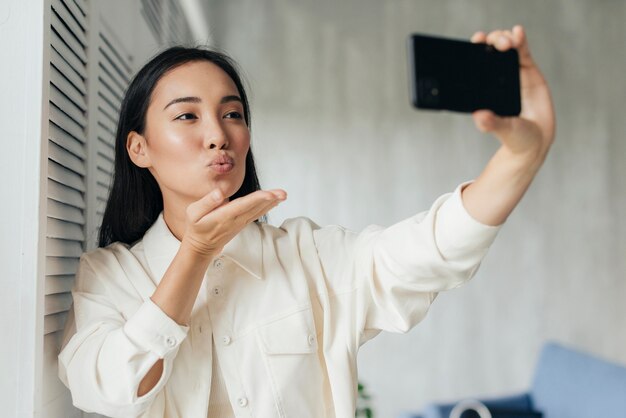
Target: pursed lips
[
  {"x": 222, "y": 164},
  {"x": 222, "y": 159}
]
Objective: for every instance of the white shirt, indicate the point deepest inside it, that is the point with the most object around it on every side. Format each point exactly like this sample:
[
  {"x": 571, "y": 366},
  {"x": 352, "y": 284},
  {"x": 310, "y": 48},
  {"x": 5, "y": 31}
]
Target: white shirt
[{"x": 288, "y": 308}]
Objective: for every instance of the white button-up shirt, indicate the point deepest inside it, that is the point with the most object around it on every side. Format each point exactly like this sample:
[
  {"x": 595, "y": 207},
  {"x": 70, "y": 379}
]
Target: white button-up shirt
[{"x": 288, "y": 309}]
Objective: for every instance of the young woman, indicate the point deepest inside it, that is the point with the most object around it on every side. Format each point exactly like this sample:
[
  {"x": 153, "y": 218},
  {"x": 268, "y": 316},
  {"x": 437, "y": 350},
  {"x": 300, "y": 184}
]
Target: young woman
[{"x": 193, "y": 306}]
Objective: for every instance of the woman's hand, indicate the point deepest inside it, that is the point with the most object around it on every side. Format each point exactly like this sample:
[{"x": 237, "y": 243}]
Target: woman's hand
[
  {"x": 525, "y": 139},
  {"x": 531, "y": 134},
  {"x": 213, "y": 221}
]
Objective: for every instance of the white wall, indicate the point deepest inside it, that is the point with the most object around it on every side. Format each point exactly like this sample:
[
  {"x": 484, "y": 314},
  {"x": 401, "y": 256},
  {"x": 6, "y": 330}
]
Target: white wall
[
  {"x": 332, "y": 125},
  {"x": 20, "y": 249}
]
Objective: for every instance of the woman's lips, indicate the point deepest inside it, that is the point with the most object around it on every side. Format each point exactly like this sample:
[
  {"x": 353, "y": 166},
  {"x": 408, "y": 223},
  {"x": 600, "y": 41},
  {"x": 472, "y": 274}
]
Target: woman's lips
[
  {"x": 221, "y": 168},
  {"x": 222, "y": 164}
]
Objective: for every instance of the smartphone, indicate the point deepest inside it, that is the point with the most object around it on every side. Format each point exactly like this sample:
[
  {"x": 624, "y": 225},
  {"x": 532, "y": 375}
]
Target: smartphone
[{"x": 461, "y": 76}]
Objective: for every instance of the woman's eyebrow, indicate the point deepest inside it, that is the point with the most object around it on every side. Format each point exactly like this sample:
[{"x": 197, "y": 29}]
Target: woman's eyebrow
[
  {"x": 187, "y": 99},
  {"x": 227, "y": 99},
  {"x": 193, "y": 99}
]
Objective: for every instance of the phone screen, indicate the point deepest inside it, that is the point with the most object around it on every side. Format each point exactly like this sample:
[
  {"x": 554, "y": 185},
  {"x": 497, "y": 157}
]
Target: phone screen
[{"x": 461, "y": 76}]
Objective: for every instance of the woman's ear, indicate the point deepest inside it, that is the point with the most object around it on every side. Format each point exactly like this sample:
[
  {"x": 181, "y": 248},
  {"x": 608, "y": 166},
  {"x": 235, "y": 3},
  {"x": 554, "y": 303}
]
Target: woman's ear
[{"x": 137, "y": 149}]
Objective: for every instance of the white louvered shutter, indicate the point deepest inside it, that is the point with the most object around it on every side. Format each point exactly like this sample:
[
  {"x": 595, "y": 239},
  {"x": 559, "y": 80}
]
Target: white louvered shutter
[
  {"x": 111, "y": 70},
  {"x": 66, "y": 185}
]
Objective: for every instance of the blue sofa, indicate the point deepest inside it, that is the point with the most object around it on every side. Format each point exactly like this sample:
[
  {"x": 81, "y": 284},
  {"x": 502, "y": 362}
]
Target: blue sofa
[{"x": 567, "y": 384}]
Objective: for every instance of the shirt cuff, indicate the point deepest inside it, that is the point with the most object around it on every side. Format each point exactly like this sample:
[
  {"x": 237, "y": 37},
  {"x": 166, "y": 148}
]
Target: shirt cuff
[
  {"x": 457, "y": 232},
  {"x": 153, "y": 330}
]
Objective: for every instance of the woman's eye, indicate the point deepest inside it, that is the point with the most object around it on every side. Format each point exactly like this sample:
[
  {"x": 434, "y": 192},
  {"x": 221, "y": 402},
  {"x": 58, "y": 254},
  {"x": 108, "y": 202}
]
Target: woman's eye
[
  {"x": 234, "y": 115},
  {"x": 185, "y": 118}
]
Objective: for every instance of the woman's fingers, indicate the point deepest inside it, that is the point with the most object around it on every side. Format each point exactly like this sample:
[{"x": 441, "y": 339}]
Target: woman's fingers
[
  {"x": 479, "y": 37},
  {"x": 246, "y": 207},
  {"x": 521, "y": 43},
  {"x": 208, "y": 203},
  {"x": 259, "y": 211},
  {"x": 254, "y": 212},
  {"x": 487, "y": 121},
  {"x": 239, "y": 207},
  {"x": 234, "y": 209},
  {"x": 504, "y": 40}
]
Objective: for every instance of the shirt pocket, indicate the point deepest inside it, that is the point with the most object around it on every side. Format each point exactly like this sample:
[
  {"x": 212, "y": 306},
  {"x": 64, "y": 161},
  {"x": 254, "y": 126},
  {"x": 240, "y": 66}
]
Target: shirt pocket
[
  {"x": 289, "y": 348},
  {"x": 291, "y": 333}
]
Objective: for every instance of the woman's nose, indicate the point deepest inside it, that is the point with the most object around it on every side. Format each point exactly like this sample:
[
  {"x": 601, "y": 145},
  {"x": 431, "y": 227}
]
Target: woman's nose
[{"x": 216, "y": 139}]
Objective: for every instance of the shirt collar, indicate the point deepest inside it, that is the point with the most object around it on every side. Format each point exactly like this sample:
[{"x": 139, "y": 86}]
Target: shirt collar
[{"x": 245, "y": 249}]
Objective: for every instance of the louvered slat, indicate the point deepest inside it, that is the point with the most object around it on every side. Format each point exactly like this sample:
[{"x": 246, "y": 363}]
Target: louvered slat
[
  {"x": 82, "y": 5},
  {"x": 66, "y": 141},
  {"x": 64, "y": 176},
  {"x": 108, "y": 86},
  {"x": 67, "y": 71},
  {"x": 70, "y": 22},
  {"x": 67, "y": 124},
  {"x": 103, "y": 191},
  {"x": 76, "y": 13},
  {"x": 115, "y": 69},
  {"x": 116, "y": 58},
  {"x": 104, "y": 130},
  {"x": 64, "y": 194},
  {"x": 61, "y": 265},
  {"x": 66, "y": 159},
  {"x": 59, "y": 284},
  {"x": 69, "y": 108},
  {"x": 63, "y": 248},
  {"x": 64, "y": 230},
  {"x": 67, "y": 54},
  {"x": 76, "y": 96},
  {"x": 63, "y": 212},
  {"x": 67, "y": 38},
  {"x": 105, "y": 163},
  {"x": 56, "y": 303},
  {"x": 107, "y": 117},
  {"x": 102, "y": 178},
  {"x": 54, "y": 322},
  {"x": 112, "y": 80},
  {"x": 106, "y": 147},
  {"x": 112, "y": 103}
]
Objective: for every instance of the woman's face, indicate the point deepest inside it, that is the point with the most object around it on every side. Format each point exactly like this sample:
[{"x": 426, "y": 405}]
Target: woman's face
[{"x": 196, "y": 138}]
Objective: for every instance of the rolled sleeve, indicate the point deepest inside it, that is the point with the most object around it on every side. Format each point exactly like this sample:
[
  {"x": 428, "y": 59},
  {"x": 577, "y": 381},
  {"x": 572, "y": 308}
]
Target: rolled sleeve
[
  {"x": 152, "y": 329},
  {"x": 457, "y": 232}
]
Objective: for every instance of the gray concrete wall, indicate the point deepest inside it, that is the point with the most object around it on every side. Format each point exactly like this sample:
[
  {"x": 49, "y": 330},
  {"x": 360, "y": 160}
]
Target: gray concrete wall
[{"x": 332, "y": 125}]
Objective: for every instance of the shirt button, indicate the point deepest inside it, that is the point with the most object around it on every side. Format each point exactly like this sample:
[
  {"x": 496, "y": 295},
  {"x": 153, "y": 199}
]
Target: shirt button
[
  {"x": 218, "y": 263},
  {"x": 311, "y": 339},
  {"x": 226, "y": 340},
  {"x": 217, "y": 291},
  {"x": 171, "y": 341},
  {"x": 243, "y": 402}
]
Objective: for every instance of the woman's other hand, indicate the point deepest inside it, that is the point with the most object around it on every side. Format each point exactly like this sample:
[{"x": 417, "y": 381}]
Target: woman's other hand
[
  {"x": 532, "y": 132},
  {"x": 213, "y": 221}
]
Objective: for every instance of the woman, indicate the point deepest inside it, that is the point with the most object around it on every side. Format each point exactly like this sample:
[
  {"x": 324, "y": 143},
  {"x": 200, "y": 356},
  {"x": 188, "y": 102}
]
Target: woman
[{"x": 194, "y": 307}]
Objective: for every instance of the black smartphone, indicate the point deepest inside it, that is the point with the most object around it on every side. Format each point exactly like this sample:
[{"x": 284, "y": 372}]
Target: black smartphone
[{"x": 451, "y": 74}]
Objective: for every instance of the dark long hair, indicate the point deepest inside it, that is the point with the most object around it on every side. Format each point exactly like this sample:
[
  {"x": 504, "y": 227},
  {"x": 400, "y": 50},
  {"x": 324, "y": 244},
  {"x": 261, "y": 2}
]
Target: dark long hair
[{"x": 135, "y": 199}]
